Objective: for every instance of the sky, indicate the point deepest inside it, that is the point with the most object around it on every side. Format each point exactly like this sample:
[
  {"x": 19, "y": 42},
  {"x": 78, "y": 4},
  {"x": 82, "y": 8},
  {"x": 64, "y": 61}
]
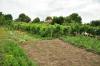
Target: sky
[{"x": 88, "y": 9}]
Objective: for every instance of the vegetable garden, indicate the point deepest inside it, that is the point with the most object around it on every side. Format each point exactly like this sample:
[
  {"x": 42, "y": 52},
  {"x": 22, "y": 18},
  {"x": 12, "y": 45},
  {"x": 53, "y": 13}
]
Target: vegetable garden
[{"x": 48, "y": 30}]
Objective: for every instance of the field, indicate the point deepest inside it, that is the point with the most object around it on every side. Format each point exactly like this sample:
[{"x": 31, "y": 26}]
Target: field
[
  {"x": 23, "y": 44},
  {"x": 58, "y": 53},
  {"x": 53, "y": 33},
  {"x": 90, "y": 44},
  {"x": 11, "y": 54}
]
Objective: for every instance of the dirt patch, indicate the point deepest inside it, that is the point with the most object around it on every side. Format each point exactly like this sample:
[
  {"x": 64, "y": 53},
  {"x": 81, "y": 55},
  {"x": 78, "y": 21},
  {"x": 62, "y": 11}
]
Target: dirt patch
[{"x": 57, "y": 53}]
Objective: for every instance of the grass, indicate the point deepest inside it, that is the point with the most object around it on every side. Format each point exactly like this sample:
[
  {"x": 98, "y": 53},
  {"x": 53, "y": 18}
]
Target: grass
[
  {"x": 22, "y": 36},
  {"x": 91, "y": 44},
  {"x": 11, "y": 53}
]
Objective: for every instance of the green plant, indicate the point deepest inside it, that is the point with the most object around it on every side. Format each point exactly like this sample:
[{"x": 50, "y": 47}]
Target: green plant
[
  {"x": 13, "y": 55},
  {"x": 83, "y": 41}
]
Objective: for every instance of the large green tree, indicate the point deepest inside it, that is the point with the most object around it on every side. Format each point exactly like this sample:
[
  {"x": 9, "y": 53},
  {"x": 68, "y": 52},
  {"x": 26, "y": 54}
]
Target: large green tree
[
  {"x": 58, "y": 20},
  {"x": 95, "y": 23},
  {"x": 23, "y": 18},
  {"x": 48, "y": 19},
  {"x": 2, "y": 19},
  {"x": 5, "y": 19},
  {"x": 8, "y": 17},
  {"x": 73, "y": 18},
  {"x": 36, "y": 20},
  {"x": 0, "y": 13}
]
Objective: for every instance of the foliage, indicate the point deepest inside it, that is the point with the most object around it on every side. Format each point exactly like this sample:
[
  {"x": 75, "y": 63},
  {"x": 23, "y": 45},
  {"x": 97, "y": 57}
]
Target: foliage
[
  {"x": 58, "y": 20},
  {"x": 8, "y": 17},
  {"x": 95, "y": 23},
  {"x": 13, "y": 55},
  {"x": 73, "y": 18},
  {"x": 5, "y": 19},
  {"x": 36, "y": 20},
  {"x": 2, "y": 19},
  {"x": 23, "y": 18},
  {"x": 48, "y": 19},
  {"x": 47, "y": 30}
]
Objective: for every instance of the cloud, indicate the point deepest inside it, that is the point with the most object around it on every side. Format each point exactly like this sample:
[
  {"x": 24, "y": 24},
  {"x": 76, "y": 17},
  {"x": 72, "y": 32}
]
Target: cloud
[{"x": 88, "y": 9}]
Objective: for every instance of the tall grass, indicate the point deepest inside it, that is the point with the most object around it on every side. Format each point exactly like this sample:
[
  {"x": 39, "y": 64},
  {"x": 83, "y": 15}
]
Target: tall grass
[
  {"x": 91, "y": 44},
  {"x": 12, "y": 55}
]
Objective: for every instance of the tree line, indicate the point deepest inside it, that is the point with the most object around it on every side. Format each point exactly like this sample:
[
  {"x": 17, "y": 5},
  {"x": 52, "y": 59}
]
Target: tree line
[{"x": 72, "y": 18}]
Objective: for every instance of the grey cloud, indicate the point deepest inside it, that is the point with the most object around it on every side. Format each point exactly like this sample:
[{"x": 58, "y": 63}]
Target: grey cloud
[{"x": 88, "y": 9}]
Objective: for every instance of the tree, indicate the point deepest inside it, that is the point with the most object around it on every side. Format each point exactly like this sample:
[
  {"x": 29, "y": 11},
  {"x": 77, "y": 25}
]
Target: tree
[
  {"x": 2, "y": 19},
  {"x": 28, "y": 19},
  {"x": 67, "y": 19},
  {"x": 73, "y": 18},
  {"x": 58, "y": 20},
  {"x": 54, "y": 20},
  {"x": 23, "y": 18},
  {"x": 36, "y": 20},
  {"x": 8, "y": 17},
  {"x": 95, "y": 23},
  {"x": 48, "y": 19},
  {"x": 1, "y": 13}
]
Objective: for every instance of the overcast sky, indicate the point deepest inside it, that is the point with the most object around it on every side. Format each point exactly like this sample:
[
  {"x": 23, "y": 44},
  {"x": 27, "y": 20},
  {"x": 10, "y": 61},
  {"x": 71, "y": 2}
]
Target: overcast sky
[{"x": 88, "y": 9}]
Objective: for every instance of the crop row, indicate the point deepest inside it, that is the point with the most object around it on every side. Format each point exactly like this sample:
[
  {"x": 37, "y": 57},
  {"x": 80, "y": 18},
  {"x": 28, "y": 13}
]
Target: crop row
[{"x": 47, "y": 30}]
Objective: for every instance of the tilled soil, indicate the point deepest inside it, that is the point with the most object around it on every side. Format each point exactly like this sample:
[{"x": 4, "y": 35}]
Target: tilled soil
[{"x": 58, "y": 53}]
